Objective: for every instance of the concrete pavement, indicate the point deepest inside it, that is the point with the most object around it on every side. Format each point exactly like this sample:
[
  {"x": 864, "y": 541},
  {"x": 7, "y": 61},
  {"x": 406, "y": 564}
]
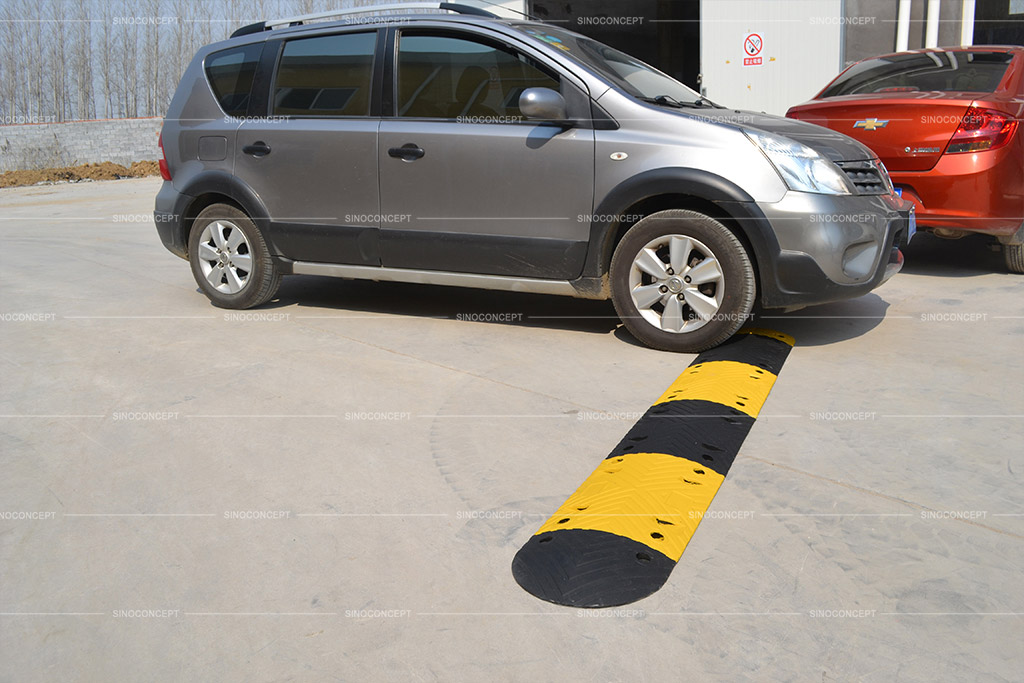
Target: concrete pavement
[{"x": 333, "y": 486}]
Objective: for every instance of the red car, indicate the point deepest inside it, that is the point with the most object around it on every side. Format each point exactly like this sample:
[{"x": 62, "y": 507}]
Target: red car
[{"x": 945, "y": 123}]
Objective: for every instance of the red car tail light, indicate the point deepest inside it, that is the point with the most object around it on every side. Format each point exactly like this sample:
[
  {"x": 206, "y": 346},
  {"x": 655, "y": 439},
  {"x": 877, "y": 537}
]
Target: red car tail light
[
  {"x": 165, "y": 172},
  {"x": 981, "y": 130}
]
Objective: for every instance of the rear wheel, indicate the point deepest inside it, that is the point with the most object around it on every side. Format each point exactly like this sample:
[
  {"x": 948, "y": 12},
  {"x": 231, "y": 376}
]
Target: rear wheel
[
  {"x": 681, "y": 281},
  {"x": 230, "y": 261},
  {"x": 1014, "y": 255}
]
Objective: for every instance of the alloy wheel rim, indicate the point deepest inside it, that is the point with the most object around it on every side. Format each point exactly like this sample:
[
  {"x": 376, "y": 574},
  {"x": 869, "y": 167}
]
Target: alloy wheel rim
[
  {"x": 225, "y": 256},
  {"x": 676, "y": 283}
]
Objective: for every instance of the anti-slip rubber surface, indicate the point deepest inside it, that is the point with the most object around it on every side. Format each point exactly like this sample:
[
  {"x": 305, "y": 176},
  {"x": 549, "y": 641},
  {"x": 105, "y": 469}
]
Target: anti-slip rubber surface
[{"x": 617, "y": 538}]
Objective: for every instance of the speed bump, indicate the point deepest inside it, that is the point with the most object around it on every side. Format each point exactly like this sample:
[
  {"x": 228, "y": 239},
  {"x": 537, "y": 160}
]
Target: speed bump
[{"x": 618, "y": 537}]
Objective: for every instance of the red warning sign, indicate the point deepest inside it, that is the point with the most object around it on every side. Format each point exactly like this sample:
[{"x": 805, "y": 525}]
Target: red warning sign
[{"x": 752, "y": 46}]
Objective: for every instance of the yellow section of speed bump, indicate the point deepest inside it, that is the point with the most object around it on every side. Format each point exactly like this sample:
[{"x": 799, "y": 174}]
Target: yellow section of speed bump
[
  {"x": 737, "y": 385},
  {"x": 652, "y": 498}
]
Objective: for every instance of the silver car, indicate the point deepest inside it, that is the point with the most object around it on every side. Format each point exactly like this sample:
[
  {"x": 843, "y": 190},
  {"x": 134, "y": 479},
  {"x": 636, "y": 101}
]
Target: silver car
[{"x": 460, "y": 148}]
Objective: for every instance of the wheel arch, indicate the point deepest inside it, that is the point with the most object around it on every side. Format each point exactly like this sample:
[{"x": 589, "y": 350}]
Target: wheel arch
[
  {"x": 678, "y": 188},
  {"x": 216, "y": 187}
]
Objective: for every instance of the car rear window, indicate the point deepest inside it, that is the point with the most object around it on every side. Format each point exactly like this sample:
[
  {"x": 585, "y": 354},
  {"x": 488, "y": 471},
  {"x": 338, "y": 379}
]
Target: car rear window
[
  {"x": 924, "y": 72},
  {"x": 326, "y": 76},
  {"x": 230, "y": 73}
]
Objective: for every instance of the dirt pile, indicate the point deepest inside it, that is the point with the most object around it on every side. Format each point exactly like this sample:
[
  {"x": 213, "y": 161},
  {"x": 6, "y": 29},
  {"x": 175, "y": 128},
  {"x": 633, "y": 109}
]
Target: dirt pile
[{"x": 106, "y": 170}]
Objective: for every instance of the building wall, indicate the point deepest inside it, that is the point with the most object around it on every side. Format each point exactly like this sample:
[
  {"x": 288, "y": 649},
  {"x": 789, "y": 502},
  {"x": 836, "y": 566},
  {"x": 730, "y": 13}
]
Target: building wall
[
  {"x": 950, "y": 21},
  {"x": 869, "y": 39},
  {"x": 664, "y": 33},
  {"x": 999, "y": 23},
  {"x": 514, "y": 7},
  {"x": 51, "y": 145},
  {"x": 870, "y": 29},
  {"x": 802, "y": 42}
]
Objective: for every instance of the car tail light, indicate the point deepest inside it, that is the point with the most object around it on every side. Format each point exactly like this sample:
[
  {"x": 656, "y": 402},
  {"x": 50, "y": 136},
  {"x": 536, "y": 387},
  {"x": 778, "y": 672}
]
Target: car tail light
[
  {"x": 981, "y": 130},
  {"x": 165, "y": 172}
]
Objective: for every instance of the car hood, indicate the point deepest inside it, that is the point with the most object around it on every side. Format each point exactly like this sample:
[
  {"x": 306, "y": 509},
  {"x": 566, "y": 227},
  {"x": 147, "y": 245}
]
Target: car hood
[{"x": 835, "y": 146}]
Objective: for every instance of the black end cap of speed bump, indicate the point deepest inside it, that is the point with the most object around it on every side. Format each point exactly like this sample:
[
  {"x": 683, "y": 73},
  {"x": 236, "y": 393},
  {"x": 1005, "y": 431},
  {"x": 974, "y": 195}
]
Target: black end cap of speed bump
[{"x": 587, "y": 568}]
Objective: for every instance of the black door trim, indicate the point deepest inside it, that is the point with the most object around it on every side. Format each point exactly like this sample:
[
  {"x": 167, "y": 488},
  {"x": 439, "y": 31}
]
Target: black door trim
[
  {"x": 357, "y": 245},
  {"x": 531, "y": 257}
]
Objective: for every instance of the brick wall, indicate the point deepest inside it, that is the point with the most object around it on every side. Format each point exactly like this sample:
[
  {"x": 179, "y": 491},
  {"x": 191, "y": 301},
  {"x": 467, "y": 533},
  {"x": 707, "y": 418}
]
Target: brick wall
[{"x": 48, "y": 145}]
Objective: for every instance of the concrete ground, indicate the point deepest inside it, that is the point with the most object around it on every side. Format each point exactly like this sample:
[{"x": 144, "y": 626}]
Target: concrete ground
[{"x": 334, "y": 486}]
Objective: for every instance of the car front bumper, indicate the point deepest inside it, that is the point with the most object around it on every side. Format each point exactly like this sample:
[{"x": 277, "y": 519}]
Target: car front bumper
[{"x": 831, "y": 247}]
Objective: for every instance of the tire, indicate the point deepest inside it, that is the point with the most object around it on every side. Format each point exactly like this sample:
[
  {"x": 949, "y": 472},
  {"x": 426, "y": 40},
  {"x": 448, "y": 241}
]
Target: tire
[
  {"x": 1014, "y": 255},
  {"x": 230, "y": 260},
  {"x": 656, "y": 303}
]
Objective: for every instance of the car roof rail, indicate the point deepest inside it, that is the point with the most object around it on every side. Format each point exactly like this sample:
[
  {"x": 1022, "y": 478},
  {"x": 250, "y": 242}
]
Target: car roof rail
[{"x": 370, "y": 9}]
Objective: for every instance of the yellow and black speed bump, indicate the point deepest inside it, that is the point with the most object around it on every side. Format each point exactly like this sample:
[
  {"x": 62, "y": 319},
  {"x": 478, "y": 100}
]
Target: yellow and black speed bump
[{"x": 617, "y": 538}]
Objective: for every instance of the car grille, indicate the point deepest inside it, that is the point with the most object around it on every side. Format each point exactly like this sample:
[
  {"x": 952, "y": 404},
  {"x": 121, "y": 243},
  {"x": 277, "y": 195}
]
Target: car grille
[{"x": 869, "y": 177}]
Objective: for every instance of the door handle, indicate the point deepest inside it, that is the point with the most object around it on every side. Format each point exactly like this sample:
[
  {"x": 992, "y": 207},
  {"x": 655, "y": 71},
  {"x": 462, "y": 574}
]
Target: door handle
[
  {"x": 407, "y": 152},
  {"x": 257, "y": 149}
]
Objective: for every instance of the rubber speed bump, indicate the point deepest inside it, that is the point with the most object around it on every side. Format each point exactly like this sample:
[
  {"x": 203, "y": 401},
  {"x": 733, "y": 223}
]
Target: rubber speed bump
[{"x": 618, "y": 537}]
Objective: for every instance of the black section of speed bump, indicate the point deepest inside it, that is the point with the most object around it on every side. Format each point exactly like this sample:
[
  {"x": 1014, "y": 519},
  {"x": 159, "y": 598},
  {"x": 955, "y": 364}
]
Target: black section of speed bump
[
  {"x": 618, "y": 536},
  {"x": 763, "y": 352},
  {"x": 705, "y": 432},
  {"x": 586, "y": 568}
]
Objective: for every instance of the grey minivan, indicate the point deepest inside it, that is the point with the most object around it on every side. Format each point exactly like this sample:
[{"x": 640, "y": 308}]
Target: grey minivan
[{"x": 455, "y": 147}]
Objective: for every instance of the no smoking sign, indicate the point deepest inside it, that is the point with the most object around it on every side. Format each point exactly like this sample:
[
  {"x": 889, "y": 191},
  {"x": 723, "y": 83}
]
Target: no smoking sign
[{"x": 752, "y": 45}]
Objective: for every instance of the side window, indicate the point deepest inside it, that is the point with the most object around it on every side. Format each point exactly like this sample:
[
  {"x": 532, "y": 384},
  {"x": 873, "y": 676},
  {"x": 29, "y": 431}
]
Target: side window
[
  {"x": 448, "y": 77},
  {"x": 230, "y": 73},
  {"x": 325, "y": 76}
]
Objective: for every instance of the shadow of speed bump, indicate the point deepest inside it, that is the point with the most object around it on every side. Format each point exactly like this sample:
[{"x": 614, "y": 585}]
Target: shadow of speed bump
[{"x": 617, "y": 538}]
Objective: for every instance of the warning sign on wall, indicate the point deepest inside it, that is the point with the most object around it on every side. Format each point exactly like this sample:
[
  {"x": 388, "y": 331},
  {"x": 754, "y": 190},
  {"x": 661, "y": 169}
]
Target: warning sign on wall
[{"x": 752, "y": 45}]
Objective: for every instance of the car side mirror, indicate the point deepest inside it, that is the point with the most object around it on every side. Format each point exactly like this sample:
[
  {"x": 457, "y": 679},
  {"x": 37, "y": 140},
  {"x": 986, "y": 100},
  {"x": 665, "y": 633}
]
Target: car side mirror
[{"x": 543, "y": 104}]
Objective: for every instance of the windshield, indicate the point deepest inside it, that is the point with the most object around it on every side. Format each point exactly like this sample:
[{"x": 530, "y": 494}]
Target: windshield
[
  {"x": 927, "y": 72},
  {"x": 631, "y": 75}
]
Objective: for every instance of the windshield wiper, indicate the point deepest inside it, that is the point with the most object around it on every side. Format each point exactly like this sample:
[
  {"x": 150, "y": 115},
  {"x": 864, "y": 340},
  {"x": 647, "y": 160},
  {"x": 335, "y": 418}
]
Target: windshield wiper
[
  {"x": 701, "y": 101},
  {"x": 666, "y": 101}
]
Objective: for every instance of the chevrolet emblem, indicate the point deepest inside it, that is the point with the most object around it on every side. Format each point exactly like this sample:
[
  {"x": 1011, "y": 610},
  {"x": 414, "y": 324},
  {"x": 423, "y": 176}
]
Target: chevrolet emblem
[{"x": 871, "y": 124}]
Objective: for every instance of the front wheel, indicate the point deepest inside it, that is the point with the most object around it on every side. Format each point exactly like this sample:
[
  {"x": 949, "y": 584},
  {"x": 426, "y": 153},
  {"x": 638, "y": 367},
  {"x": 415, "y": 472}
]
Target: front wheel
[
  {"x": 682, "y": 281},
  {"x": 230, "y": 260}
]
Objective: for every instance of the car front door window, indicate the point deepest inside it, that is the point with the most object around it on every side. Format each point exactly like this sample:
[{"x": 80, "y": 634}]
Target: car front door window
[{"x": 459, "y": 78}]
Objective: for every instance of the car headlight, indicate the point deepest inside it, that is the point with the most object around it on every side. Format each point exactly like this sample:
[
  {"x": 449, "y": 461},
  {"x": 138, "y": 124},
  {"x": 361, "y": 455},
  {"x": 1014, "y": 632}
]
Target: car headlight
[
  {"x": 884, "y": 172},
  {"x": 802, "y": 168}
]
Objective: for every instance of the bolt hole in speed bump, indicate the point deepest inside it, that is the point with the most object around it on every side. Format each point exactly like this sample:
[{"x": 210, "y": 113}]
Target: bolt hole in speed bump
[{"x": 618, "y": 537}]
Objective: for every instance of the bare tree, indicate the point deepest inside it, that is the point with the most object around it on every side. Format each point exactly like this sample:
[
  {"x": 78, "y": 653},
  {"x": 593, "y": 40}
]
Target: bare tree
[
  {"x": 179, "y": 47},
  {"x": 105, "y": 46},
  {"x": 11, "y": 67},
  {"x": 38, "y": 103},
  {"x": 55, "y": 55},
  {"x": 149, "y": 46},
  {"x": 81, "y": 67},
  {"x": 125, "y": 57},
  {"x": 76, "y": 59}
]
